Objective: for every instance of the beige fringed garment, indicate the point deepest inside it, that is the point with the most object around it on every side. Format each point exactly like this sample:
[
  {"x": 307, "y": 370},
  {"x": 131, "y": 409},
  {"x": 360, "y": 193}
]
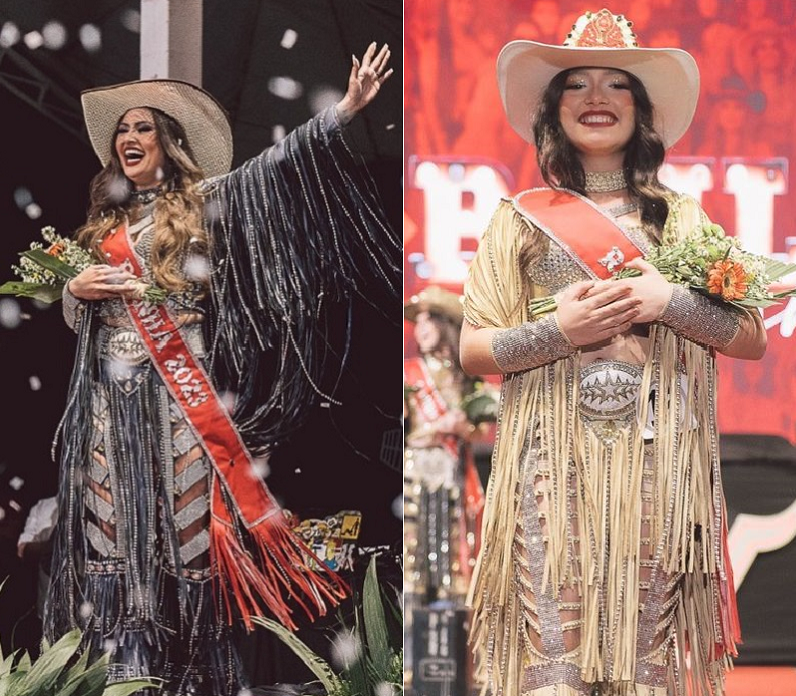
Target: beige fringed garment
[{"x": 601, "y": 555}]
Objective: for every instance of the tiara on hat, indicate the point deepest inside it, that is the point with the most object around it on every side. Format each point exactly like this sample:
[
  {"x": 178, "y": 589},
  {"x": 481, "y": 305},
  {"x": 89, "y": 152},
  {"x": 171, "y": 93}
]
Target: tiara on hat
[{"x": 601, "y": 29}]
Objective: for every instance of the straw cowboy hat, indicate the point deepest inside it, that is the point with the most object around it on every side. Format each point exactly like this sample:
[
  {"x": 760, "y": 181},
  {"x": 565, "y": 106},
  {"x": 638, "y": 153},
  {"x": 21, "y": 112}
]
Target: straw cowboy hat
[
  {"x": 203, "y": 118},
  {"x": 435, "y": 299},
  {"x": 600, "y": 40}
]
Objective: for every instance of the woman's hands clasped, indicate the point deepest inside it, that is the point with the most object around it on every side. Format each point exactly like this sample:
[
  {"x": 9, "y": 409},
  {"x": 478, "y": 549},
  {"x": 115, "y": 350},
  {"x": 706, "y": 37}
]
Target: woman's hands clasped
[
  {"x": 102, "y": 282},
  {"x": 591, "y": 312},
  {"x": 365, "y": 81}
]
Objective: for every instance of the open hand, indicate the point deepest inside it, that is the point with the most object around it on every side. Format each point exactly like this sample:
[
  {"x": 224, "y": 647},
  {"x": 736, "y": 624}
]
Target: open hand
[
  {"x": 365, "y": 81},
  {"x": 101, "y": 282}
]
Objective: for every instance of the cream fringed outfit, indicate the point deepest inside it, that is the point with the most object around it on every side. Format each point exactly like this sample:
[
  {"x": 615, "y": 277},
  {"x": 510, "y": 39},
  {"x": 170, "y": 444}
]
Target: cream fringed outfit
[{"x": 603, "y": 557}]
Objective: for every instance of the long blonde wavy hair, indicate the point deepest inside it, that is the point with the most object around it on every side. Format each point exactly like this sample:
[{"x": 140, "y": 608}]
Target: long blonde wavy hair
[{"x": 177, "y": 213}]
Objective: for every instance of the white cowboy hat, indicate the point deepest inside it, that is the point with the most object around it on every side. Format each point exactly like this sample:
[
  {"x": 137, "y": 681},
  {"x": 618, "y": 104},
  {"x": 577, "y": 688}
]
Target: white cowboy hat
[
  {"x": 600, "y": 40},
  {"x": 203, "y": 118},
  {"x": 435, "y": 299}
]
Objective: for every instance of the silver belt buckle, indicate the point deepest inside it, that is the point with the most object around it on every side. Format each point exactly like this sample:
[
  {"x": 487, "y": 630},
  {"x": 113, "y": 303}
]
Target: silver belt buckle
[
  {"x": 609, "y": 389},
  {"x": 124, "y": 344}
]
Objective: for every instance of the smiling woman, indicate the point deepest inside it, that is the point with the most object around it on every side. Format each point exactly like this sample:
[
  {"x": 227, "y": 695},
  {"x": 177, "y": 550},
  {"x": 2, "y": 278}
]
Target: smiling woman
[
  {"x": 167, "y": 532},
  {"x": 604, "y": 567},
  {"x": 138, "y": 148}
]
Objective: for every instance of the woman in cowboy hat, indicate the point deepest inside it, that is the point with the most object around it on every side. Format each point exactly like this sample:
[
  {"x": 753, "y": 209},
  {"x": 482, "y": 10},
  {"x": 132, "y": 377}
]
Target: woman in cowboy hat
[
  {"x": 604, "y": 565},
  {"x": 443, "y": 496},
  {"x": 167, "y": 532}
]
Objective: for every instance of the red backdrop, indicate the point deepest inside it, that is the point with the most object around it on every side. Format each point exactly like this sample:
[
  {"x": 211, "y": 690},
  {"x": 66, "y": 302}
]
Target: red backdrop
[{"x": 461, "y": 155}]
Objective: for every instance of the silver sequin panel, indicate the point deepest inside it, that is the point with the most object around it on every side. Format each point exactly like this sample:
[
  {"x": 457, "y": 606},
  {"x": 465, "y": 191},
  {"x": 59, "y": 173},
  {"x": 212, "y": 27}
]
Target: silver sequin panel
[{"x": 609, "y": 389}]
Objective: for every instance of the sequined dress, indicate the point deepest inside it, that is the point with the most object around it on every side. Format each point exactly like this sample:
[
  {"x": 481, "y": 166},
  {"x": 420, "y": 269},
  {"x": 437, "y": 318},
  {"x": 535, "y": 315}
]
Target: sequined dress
[
  {"x": 602, "y": 564},
  {"x": 132, "y": 564}
]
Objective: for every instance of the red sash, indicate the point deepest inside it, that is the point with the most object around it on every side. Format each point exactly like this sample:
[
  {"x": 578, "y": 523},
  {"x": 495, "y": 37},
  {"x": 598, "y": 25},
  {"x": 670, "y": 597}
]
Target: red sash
[
  {"x": 431, "y": 405},
  {"x": 281, "y": 569},
  {"x": 427, "y": 399},
  {"x": 590, "y": 237}
]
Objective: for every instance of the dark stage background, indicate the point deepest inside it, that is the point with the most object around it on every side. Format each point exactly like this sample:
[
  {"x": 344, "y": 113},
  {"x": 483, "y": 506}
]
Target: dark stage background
[{"x": 345, "y": 458}]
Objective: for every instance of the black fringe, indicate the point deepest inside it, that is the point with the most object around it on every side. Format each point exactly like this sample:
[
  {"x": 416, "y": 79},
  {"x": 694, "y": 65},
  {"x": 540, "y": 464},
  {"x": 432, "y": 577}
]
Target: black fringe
[{"x": 286, "y": 268}]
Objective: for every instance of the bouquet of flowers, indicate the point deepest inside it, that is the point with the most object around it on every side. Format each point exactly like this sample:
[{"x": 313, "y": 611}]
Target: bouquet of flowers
[
  {"x": 711, "y": 263},
  {"x": 481, "y": 405},
  {"x": 45, "y": 271}
]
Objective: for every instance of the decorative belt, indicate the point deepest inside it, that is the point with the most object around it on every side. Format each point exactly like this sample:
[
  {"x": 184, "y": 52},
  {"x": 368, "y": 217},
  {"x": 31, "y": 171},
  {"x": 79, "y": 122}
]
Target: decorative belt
[
  {"x": 124, "y": 344},
  {"x": 609, "y": 389}
]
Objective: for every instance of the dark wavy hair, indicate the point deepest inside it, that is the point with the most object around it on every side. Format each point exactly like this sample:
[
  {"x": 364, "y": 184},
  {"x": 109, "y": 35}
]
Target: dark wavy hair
[{"x": 561, "y": 167}]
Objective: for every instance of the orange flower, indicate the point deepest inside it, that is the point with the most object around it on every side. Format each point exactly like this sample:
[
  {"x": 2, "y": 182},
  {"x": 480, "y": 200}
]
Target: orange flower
[
  {"x": 56, "y": 249},
  {"x": 728, "y": 279}
]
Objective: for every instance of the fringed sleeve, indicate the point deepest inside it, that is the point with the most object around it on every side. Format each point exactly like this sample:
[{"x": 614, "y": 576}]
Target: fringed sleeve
[
  {"x": 495, "y": 296},
  {"x": 297, "y": 234},
  {"x": 493, "y": 293}
]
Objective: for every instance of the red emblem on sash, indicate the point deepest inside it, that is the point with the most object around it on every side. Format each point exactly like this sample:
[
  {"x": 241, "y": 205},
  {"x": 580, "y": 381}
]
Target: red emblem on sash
[
  {"x": 592, "y": 238},
  {"x": 281, "y": 569}
]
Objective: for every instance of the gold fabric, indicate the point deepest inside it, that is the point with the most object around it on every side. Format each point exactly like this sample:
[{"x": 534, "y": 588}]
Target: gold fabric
[{"x": 585, "y": 499}]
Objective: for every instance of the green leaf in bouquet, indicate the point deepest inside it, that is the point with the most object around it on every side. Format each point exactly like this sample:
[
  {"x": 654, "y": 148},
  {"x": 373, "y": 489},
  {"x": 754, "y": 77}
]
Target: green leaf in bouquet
[
  {"x": 754, "y": 303},
  {"x": 43, "y": 292},
  {"x": 48, "y": 261},
  {"x": 777, "y": 269},
  {"x": 480, "y": 407}
]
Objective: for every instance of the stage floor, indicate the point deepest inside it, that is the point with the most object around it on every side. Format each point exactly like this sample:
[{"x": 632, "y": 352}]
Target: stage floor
[
  {"x": 742, "y": 681},
  {"x": 762, "y": 681}
]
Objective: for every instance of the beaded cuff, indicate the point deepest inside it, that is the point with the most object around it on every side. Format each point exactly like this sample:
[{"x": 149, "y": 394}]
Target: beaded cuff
[
  {"x": 530, "y": 345},
  {"x": 73, "y": 309},
  {"x": 700, "y": 319}
]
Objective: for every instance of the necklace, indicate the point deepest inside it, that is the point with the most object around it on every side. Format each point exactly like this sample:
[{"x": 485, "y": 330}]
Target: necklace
[
  {"x": 621, "y": 209},
  {"x": 146, "y": 195},
  {"x": 605, "y": 182}
]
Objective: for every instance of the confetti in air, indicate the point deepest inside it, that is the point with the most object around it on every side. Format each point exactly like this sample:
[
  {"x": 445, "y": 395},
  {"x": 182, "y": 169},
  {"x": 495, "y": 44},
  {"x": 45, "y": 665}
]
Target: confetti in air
[
  {"x": 33, "y": 211},
  {"x": 16, "y": 483},
  {"x": 384, "y": 689},
  {"x": 35, "y": 383},
  {"x": 54, "y": 34},
  {"x": 9, "y": 35},
  {"x": 277, "y": 133},
  {"x": 90, "y": 38},
  {"x": 131, "y": 20},
  {"x": 86, "y": 610},
  {"x": 260, "y": 467},
  {"x": 196, "y": 267},
  {"x": 228, "y": 399},
  {"x": 22, "y": 197},
  {"x": 289, "y": 38},
  {"x": 33, "y": 40},
  {"x": 345, "y": 650},
  {"x": 323, "y": 97},
  {"x": 10, "y": 313},
  {"x": 285, "y": 87},
  {"x": 398, "y": 506},
  {"x": 118, "y": 189}
]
